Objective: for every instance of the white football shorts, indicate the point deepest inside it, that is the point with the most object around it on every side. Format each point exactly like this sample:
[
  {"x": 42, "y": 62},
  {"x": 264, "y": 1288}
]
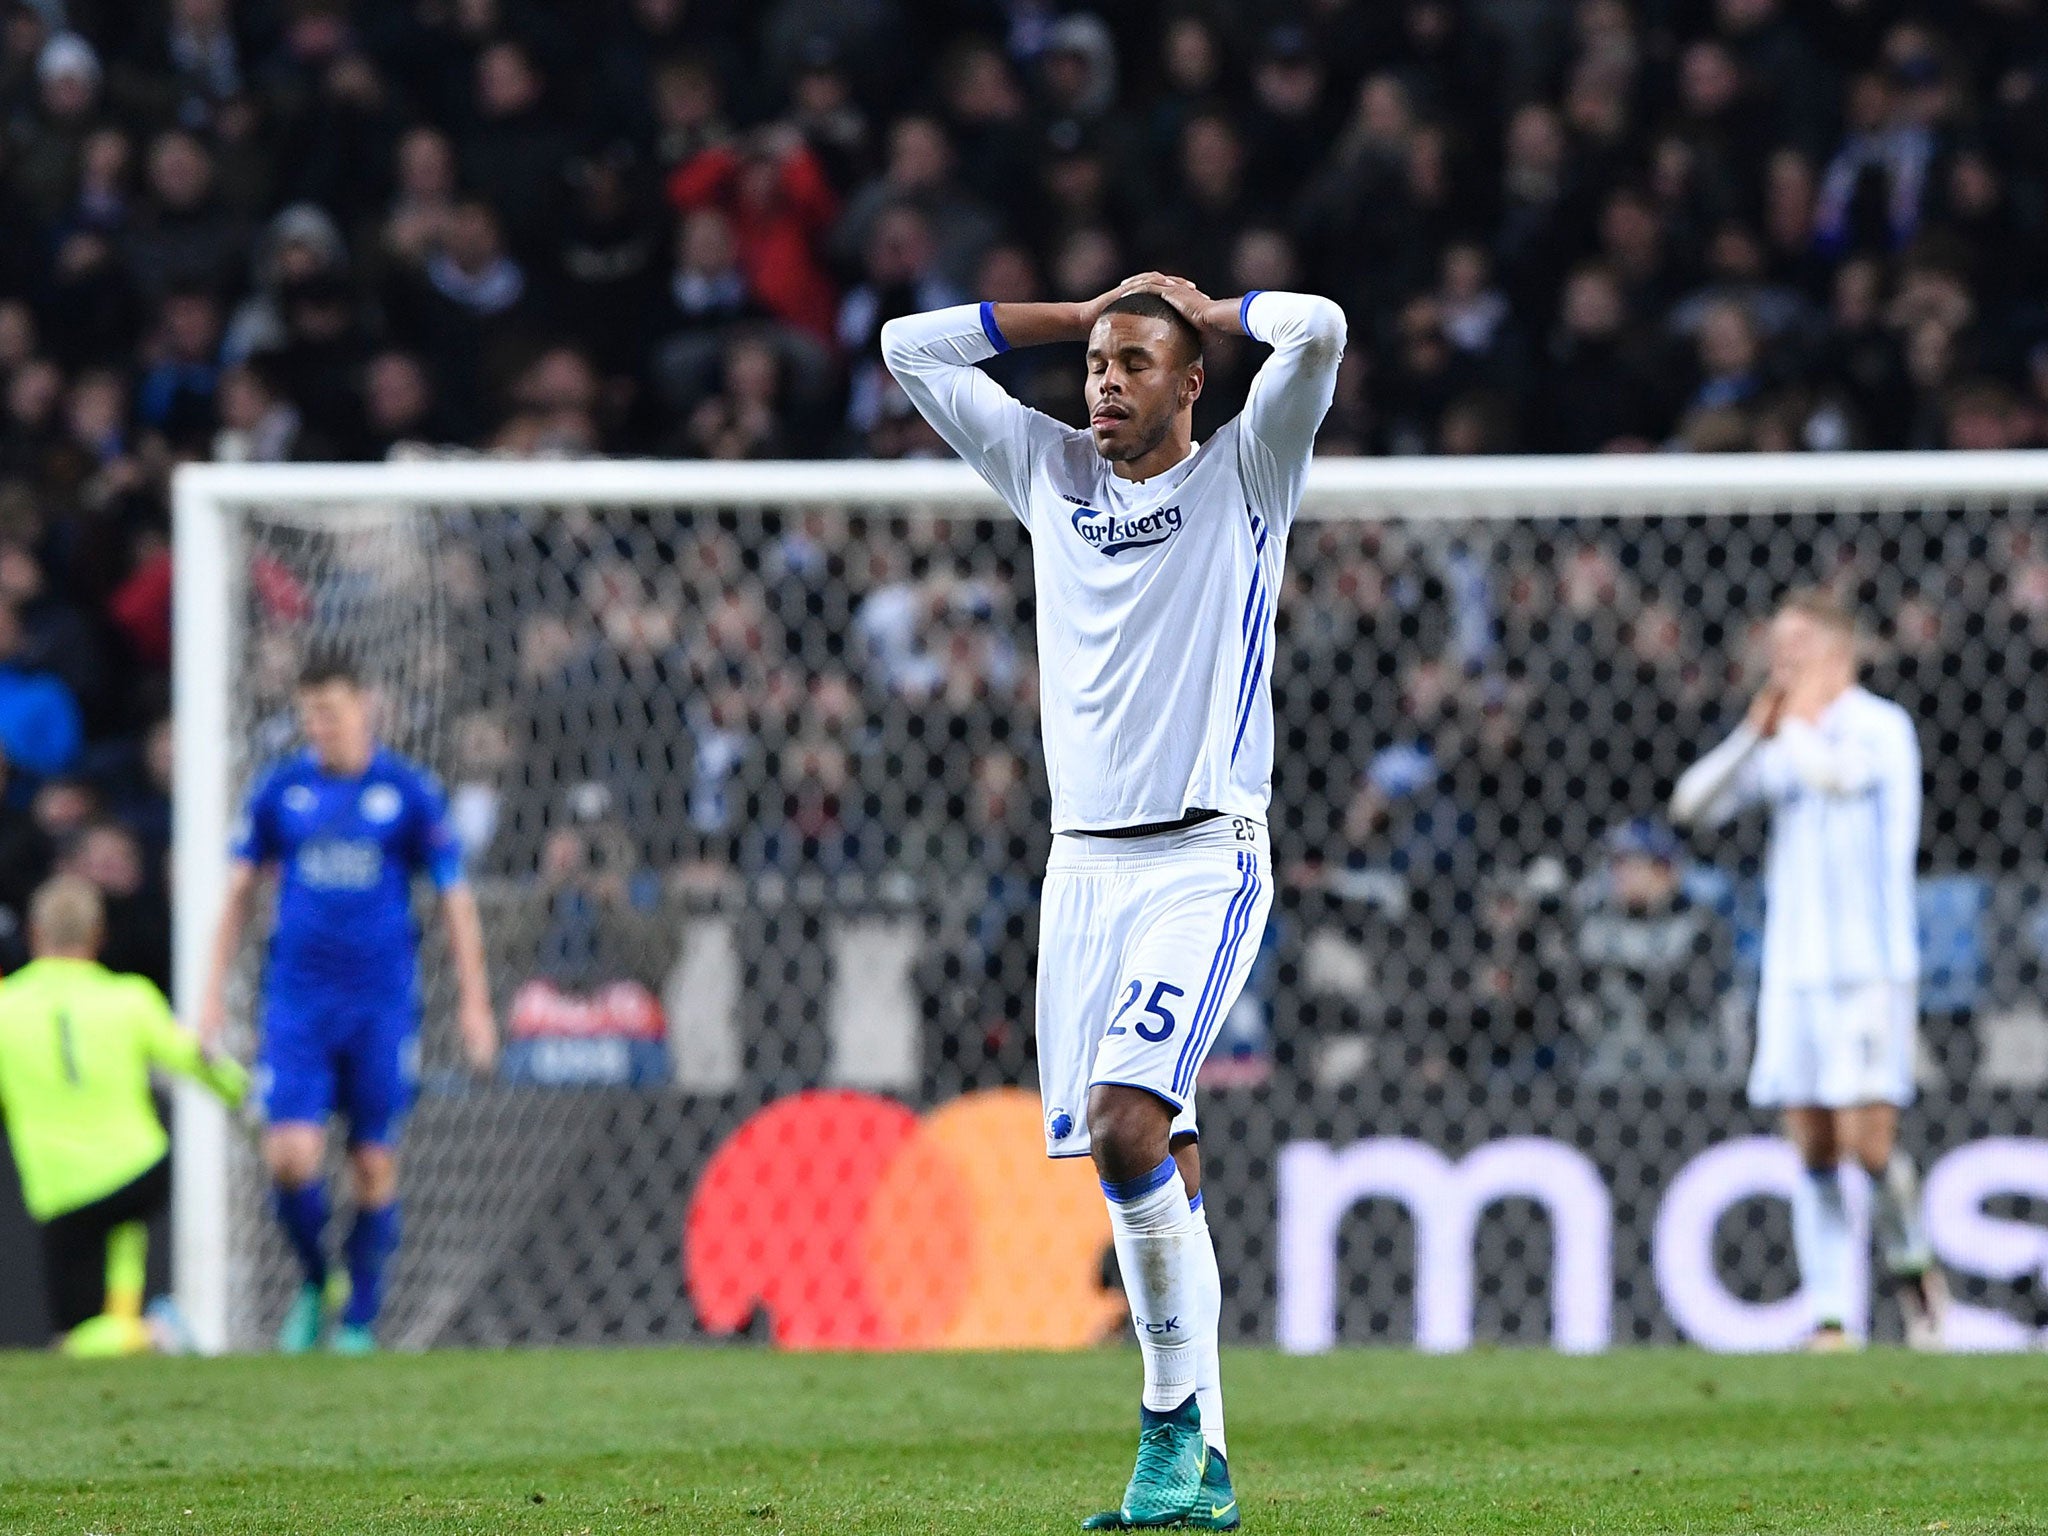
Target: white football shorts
[
  {"x": 1143, "y": 945},
  {"x": 1835, "y": 1047}
]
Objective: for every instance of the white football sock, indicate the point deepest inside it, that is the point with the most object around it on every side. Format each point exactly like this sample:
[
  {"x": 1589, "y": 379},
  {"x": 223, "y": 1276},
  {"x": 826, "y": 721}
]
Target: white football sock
[
  {"x": 1156, "y": 1249},
  {"x": 1822, "y": 1238},
  {"x": 1208, "y": 1312},
  {"x": 1895, "y": 1213}
]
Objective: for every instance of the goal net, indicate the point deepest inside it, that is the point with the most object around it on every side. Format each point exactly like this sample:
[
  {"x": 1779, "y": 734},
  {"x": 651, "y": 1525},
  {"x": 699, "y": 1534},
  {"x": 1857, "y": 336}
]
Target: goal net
[{"x": 745, "y": 764}]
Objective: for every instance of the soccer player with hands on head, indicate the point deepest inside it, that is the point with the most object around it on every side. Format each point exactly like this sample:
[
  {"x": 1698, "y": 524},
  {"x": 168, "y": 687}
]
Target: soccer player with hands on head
[
  {"x": 346, "y": 825},
  {"x": 1157, "y": 562},
  {"x": 1838, "y": 1010}
]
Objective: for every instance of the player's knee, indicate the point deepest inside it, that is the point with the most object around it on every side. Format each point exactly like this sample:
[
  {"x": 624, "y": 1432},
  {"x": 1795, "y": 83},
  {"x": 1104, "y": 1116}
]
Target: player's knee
[
  {"x": 373, "y": 1175},
  {"x": 1813, "y": 1132},
  {"x": 294, "y": 1154},
  {"x": 1128, "y": 1129},
  {"x": 1872, "y": 1145}
]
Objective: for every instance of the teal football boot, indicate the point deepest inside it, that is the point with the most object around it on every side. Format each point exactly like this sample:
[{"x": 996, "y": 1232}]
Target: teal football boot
[
  {"x": 306, "y": 1320},
  {"x": 302, "y": 1322},
  {"x": 1166, "y": 1485},
  {"x": 352, "y": 1339},
  {"x": 1217, "y": 1510}
]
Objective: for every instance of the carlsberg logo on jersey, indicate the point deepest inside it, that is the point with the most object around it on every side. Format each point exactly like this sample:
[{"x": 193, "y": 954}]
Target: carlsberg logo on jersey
[
  {"x": 1112, "y": 535},
  {"x": 341, "y": 864}
]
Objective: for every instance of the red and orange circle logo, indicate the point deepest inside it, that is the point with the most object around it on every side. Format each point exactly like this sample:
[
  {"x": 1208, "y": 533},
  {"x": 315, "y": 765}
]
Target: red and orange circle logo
[{"x": 858, "y": 1224}]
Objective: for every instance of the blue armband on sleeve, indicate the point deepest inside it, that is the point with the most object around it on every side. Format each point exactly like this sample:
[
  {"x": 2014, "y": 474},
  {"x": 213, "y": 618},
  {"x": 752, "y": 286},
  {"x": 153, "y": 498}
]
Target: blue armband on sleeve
[{"x": 990, "y": 329}]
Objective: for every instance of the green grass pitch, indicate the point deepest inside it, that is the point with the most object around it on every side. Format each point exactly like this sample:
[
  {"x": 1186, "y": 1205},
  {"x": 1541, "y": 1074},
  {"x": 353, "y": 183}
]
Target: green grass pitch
[{"x": 733, "y": 1440}]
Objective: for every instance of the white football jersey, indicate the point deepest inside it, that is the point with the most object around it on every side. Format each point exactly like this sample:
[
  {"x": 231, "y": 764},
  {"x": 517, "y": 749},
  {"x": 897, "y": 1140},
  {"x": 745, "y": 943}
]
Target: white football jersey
[
  {"x": 1155, "y": 598},
  {"x": 1839, "y": 883}
]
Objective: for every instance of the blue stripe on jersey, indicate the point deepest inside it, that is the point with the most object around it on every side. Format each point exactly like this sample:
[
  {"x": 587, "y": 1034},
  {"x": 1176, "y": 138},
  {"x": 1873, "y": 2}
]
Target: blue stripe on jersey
[
  {"x": 1244, "y": 623},
  {"x": 1244, "y": 312},
  {"x": 1208, "y": 1013},
  {"x": 990, "y": 329},
  {"x": 1250, "y": 696},
  {"x": 1254, "y": 636}
]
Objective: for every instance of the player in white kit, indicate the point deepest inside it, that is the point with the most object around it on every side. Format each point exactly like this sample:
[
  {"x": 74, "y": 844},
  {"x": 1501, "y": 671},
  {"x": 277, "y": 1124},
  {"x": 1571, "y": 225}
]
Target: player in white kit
[
  {"x": 1158, "y": 562},
  {"x": 1838, "y": 1010}
]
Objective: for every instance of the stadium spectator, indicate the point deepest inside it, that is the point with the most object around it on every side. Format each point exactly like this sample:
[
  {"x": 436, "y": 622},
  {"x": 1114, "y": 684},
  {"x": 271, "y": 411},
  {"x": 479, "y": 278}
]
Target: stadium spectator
[
  {"x": 398, "y": 404},
  {"x": 902, "y": 273},
  {"x": 258, "y": 424},
  {"x": 182, "y": 233},
  {"x": 608, "y": 260},
  {"x": 300, "y": 243},
  {"x": 175, "y": 395},
  {"x": 985, "y": 116},
  {"x": 416, "y": 223},
  {"x": 1215, "y": 199},
  {"x": 40, "y": 727},
  {"x": 1653, "y": 965},
  {"x": 463, "y": 309},
  {"x": 50, "y": 137},
  {"x": 688, "y": 109},
  {"x": 920, "y": 175},
  {"x": 773, "y": 189},
  {"x": 137, "y": 933},
  {"x": 591, "y": 922}
]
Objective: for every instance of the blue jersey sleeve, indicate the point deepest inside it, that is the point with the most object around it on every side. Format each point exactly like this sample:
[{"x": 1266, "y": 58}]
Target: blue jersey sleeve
[
  {"x": 435, "y": 850},
  {"x": 256, "y": 840}
]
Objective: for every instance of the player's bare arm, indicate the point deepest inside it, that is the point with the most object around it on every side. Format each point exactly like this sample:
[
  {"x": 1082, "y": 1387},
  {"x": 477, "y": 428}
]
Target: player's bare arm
[
  {"x": 211, "y": 1025},
  {"x": 1039, "y": 324},
  {"x": 473, "y": 1015},
  {"x": 1766, "y": 710}
]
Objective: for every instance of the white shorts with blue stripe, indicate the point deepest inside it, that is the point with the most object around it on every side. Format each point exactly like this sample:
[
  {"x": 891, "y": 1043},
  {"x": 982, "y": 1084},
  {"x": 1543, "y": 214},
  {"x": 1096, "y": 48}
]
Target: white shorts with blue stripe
[
  {"x": 1835, "y": 1047},
  {"x": 1143, "y": 946}
]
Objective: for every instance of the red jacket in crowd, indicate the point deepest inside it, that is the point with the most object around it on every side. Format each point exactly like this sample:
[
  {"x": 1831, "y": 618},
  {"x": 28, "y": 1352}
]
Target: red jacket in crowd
[{"x": 781, "y": 207}]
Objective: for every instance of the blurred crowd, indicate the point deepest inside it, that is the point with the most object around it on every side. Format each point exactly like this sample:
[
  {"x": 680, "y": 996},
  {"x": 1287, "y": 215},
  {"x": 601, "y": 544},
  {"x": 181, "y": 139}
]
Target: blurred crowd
[
  {"x": 264, "y": 230},
  {"x": 819, "y": 719}
]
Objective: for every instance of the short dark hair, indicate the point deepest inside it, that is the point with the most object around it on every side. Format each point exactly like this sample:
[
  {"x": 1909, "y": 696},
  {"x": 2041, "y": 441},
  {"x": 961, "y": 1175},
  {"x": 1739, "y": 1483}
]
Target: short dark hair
[
  {"x": 1153, "y": 307},
  {"x": 328, "y": 664}
]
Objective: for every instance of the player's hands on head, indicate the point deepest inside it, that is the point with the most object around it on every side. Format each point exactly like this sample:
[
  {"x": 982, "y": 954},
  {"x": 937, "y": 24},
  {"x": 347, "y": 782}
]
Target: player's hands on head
[
  {"x": 1182, "y": 294},
  {"x": 1092, "y": 310},
  {"x": 1177, "y": 291},
  {"x": 1767, "y": 710}
]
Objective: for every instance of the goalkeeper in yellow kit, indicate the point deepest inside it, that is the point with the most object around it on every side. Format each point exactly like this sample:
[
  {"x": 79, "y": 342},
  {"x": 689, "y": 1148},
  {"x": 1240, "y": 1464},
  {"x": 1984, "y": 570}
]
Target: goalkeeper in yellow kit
[{"x": 77, "y": 1043}]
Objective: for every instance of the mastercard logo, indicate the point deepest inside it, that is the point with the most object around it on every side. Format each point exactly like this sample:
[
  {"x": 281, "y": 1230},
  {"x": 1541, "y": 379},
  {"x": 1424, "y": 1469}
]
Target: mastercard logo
[{"x": 856, "y": 1223}]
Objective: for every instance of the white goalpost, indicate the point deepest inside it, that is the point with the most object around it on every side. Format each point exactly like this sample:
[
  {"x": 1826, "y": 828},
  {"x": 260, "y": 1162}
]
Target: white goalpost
[{"x": 454, "y": 576}]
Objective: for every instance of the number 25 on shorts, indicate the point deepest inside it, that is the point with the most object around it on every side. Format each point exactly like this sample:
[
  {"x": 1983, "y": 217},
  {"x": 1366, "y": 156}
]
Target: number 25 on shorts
[{"x": 1155, "y": 1009}]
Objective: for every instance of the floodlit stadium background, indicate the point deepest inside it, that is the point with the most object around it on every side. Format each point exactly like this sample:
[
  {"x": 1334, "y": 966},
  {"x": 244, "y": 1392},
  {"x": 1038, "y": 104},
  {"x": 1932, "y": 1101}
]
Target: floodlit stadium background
[{"x": 246, "y": 234}]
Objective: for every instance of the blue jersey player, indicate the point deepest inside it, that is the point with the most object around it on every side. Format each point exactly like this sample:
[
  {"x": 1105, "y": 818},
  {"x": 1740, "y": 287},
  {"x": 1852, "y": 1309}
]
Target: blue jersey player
[{"x": 346, "y": 826}]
